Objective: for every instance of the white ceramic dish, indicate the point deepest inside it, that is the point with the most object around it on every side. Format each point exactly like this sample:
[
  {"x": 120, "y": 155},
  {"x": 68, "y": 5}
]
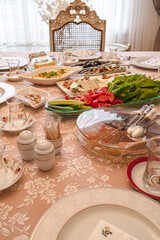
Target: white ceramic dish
[
  {"x": 85, "y": 54},
  {"x": 44, "y": 96},
  {"x": 139, "y": 62},
  {"x": 40, "y": 81},
  {"x": 6, "y": 91},
  {"x": 69, "y": 61},
  {"x": 4, "y": 62},
  {"x": 76, "y": 216},
  {"x": 15, "y": 77},
  {"x": 14, "y": 172},
  {"x": 6, "y": 126}
]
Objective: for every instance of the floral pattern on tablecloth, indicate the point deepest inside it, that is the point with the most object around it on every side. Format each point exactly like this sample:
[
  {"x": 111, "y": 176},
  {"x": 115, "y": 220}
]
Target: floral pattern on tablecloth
[{"x": 23, "y": 204}]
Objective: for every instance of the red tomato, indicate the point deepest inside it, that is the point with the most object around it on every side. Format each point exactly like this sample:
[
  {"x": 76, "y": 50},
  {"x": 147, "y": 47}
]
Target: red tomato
[
  {"x": 87, "y": 100},
  {"x": 94, "y": 95},
  {"x": 67, "y": 97},
  {"x": 95, "y": 104},
  {"x": 103, "y": 89},
  {"x": 117, "y": 101},
  {"x": 110, "y": 96},
  {"x": 103, "y": 98},
  {"x": 104, "y": 104}
]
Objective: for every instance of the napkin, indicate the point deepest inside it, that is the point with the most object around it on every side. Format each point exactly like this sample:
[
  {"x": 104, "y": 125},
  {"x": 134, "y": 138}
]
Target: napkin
[
  {"x": 155, "y": 62},
  {"x": 106, "y": 231}
]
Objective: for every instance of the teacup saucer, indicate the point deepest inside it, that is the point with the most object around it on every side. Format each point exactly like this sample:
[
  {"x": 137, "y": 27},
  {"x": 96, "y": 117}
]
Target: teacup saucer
[
  {"x": 135, "y": 172},
  {"x": 12, "y": 174},
  {"x": 6, "y": 126},
  {"x": 14, "y": 77}
]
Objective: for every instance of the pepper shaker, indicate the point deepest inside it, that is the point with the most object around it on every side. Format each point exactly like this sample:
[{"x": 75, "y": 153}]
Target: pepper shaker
[
  {"x": 44, "y": 155},
  {"x": 25, "y": 143}
]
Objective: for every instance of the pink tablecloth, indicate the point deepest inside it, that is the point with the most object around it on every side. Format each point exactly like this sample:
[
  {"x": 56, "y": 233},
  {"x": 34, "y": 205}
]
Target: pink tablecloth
[{"x": 22, "y": 205}]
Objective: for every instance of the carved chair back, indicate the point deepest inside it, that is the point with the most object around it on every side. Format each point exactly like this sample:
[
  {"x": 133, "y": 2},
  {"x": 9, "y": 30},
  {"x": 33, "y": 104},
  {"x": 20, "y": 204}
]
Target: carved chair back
[{"x": 77, "y": 27}]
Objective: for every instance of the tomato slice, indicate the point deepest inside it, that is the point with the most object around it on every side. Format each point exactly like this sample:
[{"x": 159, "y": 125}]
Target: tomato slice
[
  {"x": 95, "y": 95},
  {"x": 103, "y": 89},
  {"x": 87, "y": 100},
  {"x": 110, "y": 96},
  {"x": 103, "y": 98},
  {"x": 117, "y": 101},
  {"x": 95, "y": 104},
  {"x": 104, "y": 104}
]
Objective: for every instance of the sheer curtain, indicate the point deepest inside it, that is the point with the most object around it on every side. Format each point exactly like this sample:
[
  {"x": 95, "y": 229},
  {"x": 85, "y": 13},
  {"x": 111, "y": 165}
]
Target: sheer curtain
[
  {"x": 21, "y": 23},
  {"x": 128, "y": 21}
]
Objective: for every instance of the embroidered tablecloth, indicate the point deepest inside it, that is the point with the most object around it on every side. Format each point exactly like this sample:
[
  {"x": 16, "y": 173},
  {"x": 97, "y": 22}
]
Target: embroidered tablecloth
[{"x": 76, "y": 168}]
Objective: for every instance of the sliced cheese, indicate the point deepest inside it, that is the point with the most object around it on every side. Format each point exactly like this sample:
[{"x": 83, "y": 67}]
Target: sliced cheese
[{"x": 38, "y": 65}]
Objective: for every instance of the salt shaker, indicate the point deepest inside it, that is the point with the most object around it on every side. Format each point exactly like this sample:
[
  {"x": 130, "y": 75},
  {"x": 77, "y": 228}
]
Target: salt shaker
[
  {"x": 25, "y": 143},
  {"x": 44, "y": 155}
]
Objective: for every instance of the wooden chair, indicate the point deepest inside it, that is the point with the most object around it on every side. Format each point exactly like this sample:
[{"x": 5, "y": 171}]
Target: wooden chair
[{"x": 77, "y": 27}]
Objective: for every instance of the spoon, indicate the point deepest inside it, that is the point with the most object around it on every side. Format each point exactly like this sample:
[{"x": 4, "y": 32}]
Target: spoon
[
  {"x": 147, "y": 113},
  {"x": 139, "y": 131}
]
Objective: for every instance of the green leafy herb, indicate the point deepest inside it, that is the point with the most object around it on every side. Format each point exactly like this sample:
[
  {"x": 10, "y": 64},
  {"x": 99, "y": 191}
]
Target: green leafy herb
[{"x": 135, "y": 87}]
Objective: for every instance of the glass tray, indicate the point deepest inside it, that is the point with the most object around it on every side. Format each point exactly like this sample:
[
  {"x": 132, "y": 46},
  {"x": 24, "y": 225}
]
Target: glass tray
[
  {"x": 95, "y": 132},
  {"x": 133, "y": 105}
]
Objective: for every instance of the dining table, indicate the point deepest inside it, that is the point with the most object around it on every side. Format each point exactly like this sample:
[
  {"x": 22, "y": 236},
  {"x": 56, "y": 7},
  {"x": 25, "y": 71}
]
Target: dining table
[{"x": 75, "y": 169}]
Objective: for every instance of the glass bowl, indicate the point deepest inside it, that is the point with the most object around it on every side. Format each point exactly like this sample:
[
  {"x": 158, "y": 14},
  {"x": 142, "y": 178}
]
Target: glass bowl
[{"x": 97, "y": 134}]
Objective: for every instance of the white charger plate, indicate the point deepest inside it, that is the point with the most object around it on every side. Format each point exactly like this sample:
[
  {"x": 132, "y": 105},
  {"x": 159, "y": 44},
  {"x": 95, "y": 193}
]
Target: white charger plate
[
  {"x": 44, "y": 94},
  {"x": 14, "y": 172},
  {"x": 6, "y": 91},
  {"x": 85, "y": 54},
  {"x": 139, "y": 62},
  {"x": 4, "y": 62},
  {"x": 76, "y": 216},
  {"x": 40, "y": 81}
]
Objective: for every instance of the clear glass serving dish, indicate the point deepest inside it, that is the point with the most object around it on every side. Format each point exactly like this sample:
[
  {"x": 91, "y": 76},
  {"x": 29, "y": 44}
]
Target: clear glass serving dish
[
  {"x": 96, "y": 133},
  {"x": 124, "y": 106}
]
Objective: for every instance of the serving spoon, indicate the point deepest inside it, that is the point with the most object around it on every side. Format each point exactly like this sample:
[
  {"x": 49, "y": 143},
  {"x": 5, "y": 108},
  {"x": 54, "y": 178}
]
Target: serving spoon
[{"x": 139, "y": 131}]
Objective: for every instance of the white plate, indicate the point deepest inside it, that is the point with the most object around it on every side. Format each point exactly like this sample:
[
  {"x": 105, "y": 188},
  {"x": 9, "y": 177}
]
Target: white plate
[
  {"x": 15, "y": 77},
  {"x": 6, "y": 91},
  {"x": 139, "y": 62},
  {"x": 4, "y": 62},
  {"x": 76, "y": 216},
  {"x": 84, "y": 54},
  {"x": 44, "y": 96},
  {"x": 70, "y": 71},
  {"x": 14, "y": 171},
  {"x": 6, "y": 126}
]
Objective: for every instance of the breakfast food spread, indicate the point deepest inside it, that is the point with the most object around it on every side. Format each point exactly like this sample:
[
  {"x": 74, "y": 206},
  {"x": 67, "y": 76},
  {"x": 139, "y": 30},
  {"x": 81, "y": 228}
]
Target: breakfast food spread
[{"x": 107, "y": 231}]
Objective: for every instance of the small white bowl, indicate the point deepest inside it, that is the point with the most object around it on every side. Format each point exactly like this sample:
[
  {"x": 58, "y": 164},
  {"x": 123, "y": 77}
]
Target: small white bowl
[
  {"x": 44, "y": 95},
  {"x": 68, "y": 61},
  {"x": 14, "y": 77}
]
